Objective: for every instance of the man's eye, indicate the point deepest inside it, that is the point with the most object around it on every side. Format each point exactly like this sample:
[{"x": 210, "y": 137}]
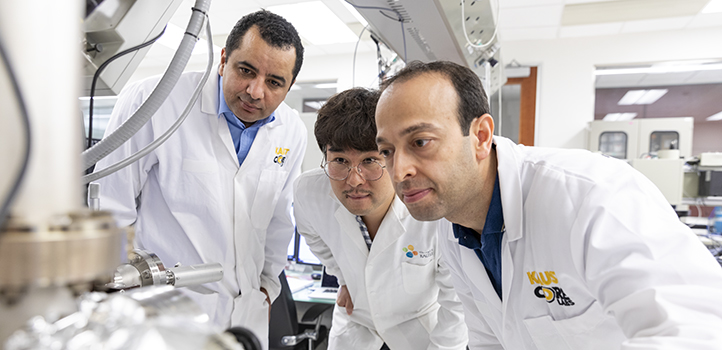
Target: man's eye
[
  {"x": 339, "y": 160},
  {"x": 421, "y": 142},
  {"x": 245, "y": 70},
  {"x": 275, "y": 83},
  {"x": 385, "y": 153}
]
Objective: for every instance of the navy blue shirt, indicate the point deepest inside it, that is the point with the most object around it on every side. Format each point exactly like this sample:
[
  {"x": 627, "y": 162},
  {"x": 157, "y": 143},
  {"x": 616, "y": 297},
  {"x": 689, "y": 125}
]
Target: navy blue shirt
[
  {"x": 487, "y": 246},
  {"x": 242, "y": 136}
]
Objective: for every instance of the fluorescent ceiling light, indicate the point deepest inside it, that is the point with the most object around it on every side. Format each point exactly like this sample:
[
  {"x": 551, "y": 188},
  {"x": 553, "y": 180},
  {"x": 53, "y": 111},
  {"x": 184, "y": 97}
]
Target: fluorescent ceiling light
[
  {"x": 715, "y": 117},
  {"x": 619, "y": 116},
  {"x": 651, "y": 96},
  {"x": 631, "y": 97},
  {"x": 355, "y": 13},
  {"x": 316, "y": 22},
  {"x": 641, "y": 97},
  {"x": 660, "y": 69},
  {"x": 714, "y": 6}
]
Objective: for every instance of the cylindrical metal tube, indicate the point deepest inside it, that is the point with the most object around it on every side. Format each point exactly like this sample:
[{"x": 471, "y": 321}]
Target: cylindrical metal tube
[{"x": 194, "y": 275}]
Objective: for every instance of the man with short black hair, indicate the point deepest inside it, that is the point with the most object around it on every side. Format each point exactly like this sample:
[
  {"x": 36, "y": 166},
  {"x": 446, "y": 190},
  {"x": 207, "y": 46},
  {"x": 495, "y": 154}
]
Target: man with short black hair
[
  {"x": 220, "y": 189},
  {"x": 394, "y": 289},
  {"x": 550, "y": 248}
]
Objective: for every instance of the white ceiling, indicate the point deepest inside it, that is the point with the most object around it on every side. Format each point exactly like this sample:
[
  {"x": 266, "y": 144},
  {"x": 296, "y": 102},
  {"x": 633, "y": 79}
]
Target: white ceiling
[{"x": 519, "y": 20}]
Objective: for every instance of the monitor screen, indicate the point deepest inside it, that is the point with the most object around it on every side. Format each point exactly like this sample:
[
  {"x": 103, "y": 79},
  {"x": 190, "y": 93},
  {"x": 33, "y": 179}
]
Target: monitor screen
[
  {"x": 305, "y": 256},
  {"x": 292, "y": 247}
]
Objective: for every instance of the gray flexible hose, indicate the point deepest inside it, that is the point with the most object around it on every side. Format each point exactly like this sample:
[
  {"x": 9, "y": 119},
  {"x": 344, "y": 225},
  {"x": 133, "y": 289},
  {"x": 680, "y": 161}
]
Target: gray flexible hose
[
  {"x": 159, "y": 94},
  {"x": 157, "y": 142}
]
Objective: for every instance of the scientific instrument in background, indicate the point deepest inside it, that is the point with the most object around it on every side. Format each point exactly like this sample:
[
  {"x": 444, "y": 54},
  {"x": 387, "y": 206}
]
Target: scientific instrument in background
[{"x": 656, "y": 147}]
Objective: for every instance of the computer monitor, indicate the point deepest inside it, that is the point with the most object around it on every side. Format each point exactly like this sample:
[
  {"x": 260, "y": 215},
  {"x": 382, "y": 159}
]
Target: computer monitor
[
  {"x": 305, "y": 256},
  {"x": 292, "y": 247}
]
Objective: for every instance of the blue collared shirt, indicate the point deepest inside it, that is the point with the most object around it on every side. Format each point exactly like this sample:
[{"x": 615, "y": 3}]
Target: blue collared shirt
[
  {"x": 487, "y": 246},
  {"x": 242, "y": 136}
]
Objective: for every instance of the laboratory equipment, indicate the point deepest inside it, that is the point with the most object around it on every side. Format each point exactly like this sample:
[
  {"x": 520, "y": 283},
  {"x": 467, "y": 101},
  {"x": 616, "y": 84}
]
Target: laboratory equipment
[
  {"x": 112, "y": 26},
  {"x": 710, "y": 183},
  {"x": 53, "y": 251},
  {"x": 429, "y": 30},
  {"x": 157, "y": 317},
  {"x": 146, "y": 269},
  {"x": 638, "y": 138}
]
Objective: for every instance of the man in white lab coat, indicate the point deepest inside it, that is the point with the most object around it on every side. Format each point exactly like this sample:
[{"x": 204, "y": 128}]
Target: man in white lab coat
[
  {"x": 220, "y": 189},
  {"x": 550, "y": 249},
  {"x": 393, "y": 288}
]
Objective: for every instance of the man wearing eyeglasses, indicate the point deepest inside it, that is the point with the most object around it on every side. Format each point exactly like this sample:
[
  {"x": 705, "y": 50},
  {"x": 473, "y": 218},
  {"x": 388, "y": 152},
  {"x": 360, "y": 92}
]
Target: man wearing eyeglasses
[{"x": 394, "y": 291}]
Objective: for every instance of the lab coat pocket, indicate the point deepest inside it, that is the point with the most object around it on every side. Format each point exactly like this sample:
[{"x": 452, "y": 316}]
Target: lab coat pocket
[
  {"x": 576, "y": 332},
  {"x": 250, "y": 310},
  {"x": 418, "y": 278},
  {"x": 270, "y": 186}
]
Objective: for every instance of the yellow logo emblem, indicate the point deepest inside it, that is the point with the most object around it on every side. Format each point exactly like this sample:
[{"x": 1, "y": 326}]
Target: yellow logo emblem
[{"x": 281, "y": 154}]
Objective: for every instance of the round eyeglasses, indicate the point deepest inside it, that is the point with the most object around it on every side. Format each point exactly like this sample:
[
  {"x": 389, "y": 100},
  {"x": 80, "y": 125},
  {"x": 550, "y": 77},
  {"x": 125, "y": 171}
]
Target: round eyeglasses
[{"x": 339, "y": 170}]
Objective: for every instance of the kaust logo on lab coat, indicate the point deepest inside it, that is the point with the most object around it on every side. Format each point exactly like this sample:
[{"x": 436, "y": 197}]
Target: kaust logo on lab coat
[
  {"x": 411, "y": 253},
  {"x": 281, "y": 154},
  {"x": 546, "y": 290}
]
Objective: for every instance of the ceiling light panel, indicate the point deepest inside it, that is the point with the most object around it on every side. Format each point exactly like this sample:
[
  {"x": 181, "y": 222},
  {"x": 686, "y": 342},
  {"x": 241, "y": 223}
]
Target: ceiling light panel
[
  {"x": 631, "y": 97},
  {"x": 714, "y": 6},
  {"x": 628, "y": 10},
  {"x": 315, "y": 22},
  {"x": 641, "y": 97},
  {"x": 717, "y": 116},
  {"x": 619, "y": 116},
  {"x": 651, "y": 96}
]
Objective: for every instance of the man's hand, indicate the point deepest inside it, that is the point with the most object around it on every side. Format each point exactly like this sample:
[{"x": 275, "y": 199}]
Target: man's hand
[
  {"x": 268, "y": 299},
  {"x": 344, "y": 299}
]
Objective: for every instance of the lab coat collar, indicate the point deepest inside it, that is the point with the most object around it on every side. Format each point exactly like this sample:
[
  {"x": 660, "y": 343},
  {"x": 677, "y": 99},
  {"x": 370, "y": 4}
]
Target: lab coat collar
[
  {"x": 509, "y": 187},
  {"x": 508, "y": 165},
  {"x": 391, "y": 228},
  {"x": 209, "y": 95},
  {"x": 389, "y": 232},
  {"x": 350, "y": 227}
]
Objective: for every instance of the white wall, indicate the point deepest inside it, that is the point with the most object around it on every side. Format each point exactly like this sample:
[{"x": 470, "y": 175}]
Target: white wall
[{"x": 565, "y": 88}]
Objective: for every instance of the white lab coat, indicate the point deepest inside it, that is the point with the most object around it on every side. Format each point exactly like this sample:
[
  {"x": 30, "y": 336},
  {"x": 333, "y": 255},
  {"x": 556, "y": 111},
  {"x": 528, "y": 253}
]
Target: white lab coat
[
  {"x": 192, "y": 203},
  {"x": 597, "y": 234},
  {"x": 408, "y": 303}
]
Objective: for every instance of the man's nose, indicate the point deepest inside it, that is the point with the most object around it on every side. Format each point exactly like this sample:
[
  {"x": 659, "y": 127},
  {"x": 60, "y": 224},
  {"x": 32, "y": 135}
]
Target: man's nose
[
  {"x": 256, "y": 89},
  {"x": 401, "y": 167},
  {"x": 355, "y": 178}
]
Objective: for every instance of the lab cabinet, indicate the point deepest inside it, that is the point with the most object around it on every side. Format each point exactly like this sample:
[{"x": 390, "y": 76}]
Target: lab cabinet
[{"x": 641, "y": 138}]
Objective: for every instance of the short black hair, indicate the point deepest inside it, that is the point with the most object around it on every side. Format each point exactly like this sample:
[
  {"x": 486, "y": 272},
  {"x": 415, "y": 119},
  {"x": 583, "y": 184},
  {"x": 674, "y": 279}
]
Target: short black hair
[
  {"x": 347, "y": 121},
  {"x": 274, "y": 30},
  {"x": 473, "y": 102}
]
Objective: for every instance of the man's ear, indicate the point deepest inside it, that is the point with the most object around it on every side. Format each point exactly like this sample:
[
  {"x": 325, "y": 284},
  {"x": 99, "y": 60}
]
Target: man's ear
[
  {"x": 481, "y": 131},
  {"x": 223, "y": 62}
]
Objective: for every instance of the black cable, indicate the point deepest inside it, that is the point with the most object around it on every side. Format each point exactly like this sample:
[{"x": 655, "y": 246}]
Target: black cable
[
  {"x": 97, "y": 75},
  {"x": 25, "y": 119},
  {"x": 353, "y": 74}
]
